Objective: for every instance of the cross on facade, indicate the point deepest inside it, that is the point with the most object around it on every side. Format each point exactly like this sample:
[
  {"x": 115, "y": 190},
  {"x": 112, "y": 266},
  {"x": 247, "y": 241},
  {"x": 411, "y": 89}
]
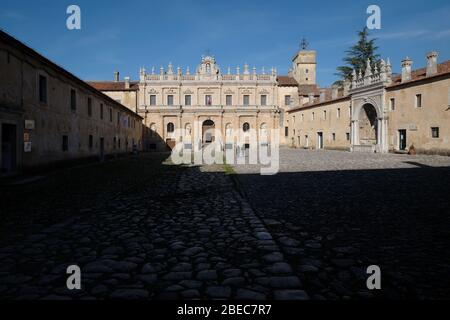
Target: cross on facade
[{"x": 304, "y": 44}]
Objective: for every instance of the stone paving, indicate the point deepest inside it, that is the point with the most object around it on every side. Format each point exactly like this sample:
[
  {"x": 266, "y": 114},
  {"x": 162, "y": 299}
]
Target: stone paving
[
  {"x": 345, "y": 211},
  {"x": 189, "y": 235},
  {"x": 171, "y": 232}
]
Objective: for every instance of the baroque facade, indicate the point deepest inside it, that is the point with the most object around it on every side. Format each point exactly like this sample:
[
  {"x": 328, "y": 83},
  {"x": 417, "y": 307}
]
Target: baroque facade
[{"x": 378, "y": 111}]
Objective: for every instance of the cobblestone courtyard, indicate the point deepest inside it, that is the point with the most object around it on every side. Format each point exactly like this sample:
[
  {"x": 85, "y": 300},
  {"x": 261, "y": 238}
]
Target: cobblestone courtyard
[{"x": 141, "y": 228}]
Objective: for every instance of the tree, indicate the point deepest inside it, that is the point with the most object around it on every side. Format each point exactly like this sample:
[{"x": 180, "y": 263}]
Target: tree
[{"x": 358, "y": 54}]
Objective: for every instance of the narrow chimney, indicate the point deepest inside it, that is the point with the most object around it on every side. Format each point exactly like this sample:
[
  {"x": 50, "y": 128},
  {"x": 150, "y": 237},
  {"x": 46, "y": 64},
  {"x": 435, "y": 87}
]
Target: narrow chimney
[
  {"x": 116, "y": 76},
  {"x": 322, "y": 95},
  {"x": 406, "y": 69},
  {"x": 127, "y": 82},
  {"x": 432, "y": 63},
  {"x": 334, "y": 92}
]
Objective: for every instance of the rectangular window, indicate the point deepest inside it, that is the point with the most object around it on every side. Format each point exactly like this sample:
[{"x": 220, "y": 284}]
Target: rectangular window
[
  {"x": 350, "y": 112},
  {"x": 229, "y": 99},
  {"x": 110, "y": 115},
  {"x": 338, "y": 113},
  {"x": 287, "y": 100},
  {"x": 264, "y": 100},
  {"x": 208, "y": 100},
  {"x": 246, "y": 100},
  {"x": 101, "y": 111},
  {"x": 73, "y": 99},
  {"x": 118, "y": 118},
  {"x": 435, "y": 132},
  {"x": 286, "y": 131},
  {"x": 347, "y": 136},
  {"x": 170, "y": 100},
  {"x": 42, "y": 89},
  {"x": 187, "y": 100},
  {"x": 392, "y": 104},
  {"x": 303, "y": 117},
  {"x": 65, "y": 143},
  {"x": 89, "y": 107},
  {"x": 153, "y": 100},
  {"x": 91, "y": 141},
  {"x": 312, "y": 116},
  {"x": 114, "y": 143},
  {"x": 324, "y": 114},
  {"x": 418, "y": 101},
  {"x": 333, "y": 136}
]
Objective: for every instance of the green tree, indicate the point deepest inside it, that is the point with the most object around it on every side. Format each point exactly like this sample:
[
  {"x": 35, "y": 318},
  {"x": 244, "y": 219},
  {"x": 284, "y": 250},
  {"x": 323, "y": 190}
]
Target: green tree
[{"x": 357, "y": 55}]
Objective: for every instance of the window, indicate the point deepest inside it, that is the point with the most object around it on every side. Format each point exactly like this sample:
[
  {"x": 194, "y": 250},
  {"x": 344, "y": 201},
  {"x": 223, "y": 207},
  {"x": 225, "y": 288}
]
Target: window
[
  {"x": 246, "y": 127},
  {"x": 350, "y": 111},
  {"x": 338, "y": 113},
  {"x": 435, "y": 132},
  {"x": 42, "y": 89},
  {"x": 65, "y": 143},
  {"x": 170, "y": 100},
  {"x": 89, "y": 107},
  {"x": 246, "y": 100},
  {"x": 347, "y": 136},
  {"x": 170, "y": 127},
  {"x": 264, "y": 100},
  {"x": 229, "y": 99},
  {"x": 187, "y": 100},
  {"x": 153, "y": 100},
  {"x": 307, "y": 71},
  {"x": 303, "y": 117},
  {"x": 392, "y": 104},
  {"x": 118, "y": 118},
  {"x": 333, "y": 136},
  {"x": 324, "y": 114},
  {"x": 110, "y": 115},
  {"x": 114, "y": 143},
  {"x": 73, "y": 100},
  {"x": 418, "y": 101},
  {"x": 101, "y": 111},
  {"x": 208, "y": 100},
  {"x": 287, "y": 100},
  {"x": 286, "y": 131},
  {"x": 312, "y": 116},
  {"x": 91, "y": 141},
  {"x": 119, "y": 144}
]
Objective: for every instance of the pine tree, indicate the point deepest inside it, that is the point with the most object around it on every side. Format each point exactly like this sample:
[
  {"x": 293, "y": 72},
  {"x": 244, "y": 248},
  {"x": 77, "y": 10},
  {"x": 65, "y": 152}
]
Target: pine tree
[{"x": 358, "y": 54}]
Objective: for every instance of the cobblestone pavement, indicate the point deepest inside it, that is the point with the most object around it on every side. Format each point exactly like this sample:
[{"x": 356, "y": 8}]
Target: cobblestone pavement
[
  {"x": 142, "y": 230},
  {"x": 335, "y": 213},
  {"x": 187, "y": 233}
]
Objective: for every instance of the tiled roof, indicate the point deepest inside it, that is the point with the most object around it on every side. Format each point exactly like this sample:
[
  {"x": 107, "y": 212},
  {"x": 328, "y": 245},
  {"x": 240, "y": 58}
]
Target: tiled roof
[
  {"x": 420, "y": 74},
  {"x": 306, "y": 89},
  {"x": 286, "y": 81},
  {"x": 113, "y": 85}
]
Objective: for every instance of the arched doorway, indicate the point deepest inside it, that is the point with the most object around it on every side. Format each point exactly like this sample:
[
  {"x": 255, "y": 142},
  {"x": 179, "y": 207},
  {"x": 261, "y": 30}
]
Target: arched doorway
[
  {"x": 368, "y": 125},
  {"x": 208, "y": 128}
]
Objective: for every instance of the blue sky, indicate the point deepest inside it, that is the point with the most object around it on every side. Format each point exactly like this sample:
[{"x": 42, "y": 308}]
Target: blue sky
[{"x": 127, "y": 35}]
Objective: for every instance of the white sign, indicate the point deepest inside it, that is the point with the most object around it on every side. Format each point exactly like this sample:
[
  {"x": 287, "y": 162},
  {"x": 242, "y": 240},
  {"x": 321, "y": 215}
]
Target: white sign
[
  {"x": 29, "y": 124},
  {"x": 27, "y": 147}
]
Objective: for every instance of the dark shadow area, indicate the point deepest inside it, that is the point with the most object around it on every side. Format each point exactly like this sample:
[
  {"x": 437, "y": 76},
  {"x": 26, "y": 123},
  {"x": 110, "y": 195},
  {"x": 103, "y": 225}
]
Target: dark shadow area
[{"x": 398, "y": 219}]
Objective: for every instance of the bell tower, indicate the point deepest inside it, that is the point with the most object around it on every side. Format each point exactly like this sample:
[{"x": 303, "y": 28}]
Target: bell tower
[{"x": 304, "y": 65}]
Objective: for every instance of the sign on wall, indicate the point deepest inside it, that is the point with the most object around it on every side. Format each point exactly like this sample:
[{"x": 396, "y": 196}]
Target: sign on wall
[
  {"x": 27, "y": 147},
  {"x": 29, "y": 124}
]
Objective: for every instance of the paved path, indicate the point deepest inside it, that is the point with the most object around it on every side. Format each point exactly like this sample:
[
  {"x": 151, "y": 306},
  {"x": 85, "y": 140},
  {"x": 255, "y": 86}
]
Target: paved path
[{"x": 189, "y": 235}]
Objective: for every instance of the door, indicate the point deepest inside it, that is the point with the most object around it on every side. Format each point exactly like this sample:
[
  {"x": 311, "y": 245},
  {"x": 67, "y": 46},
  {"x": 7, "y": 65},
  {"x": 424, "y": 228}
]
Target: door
[
  {"x": 402, "y": 139},
  {"x": 9, "y": 147},
  {"x": 319, "y": 140},
  {"x": 102, "y": 149}
]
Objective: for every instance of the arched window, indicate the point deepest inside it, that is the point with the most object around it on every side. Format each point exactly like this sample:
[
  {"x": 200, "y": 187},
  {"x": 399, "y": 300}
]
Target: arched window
[
  {"x": 246, "y": 127},
  {"x": 170, "y": 127}
]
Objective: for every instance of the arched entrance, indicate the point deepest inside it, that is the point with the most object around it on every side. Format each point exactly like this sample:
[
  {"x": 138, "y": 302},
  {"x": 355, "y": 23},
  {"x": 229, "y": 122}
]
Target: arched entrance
[
  {"x": 208, "y": 128},
  {"x": 368, "y": 125}
]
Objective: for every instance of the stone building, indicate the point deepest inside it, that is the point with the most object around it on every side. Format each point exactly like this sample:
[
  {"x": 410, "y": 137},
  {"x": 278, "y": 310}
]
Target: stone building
[
  {"x": 209, "y": 99},
  {"x": 379, "y": 111},
  {"x": 48, "y": 115}
]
